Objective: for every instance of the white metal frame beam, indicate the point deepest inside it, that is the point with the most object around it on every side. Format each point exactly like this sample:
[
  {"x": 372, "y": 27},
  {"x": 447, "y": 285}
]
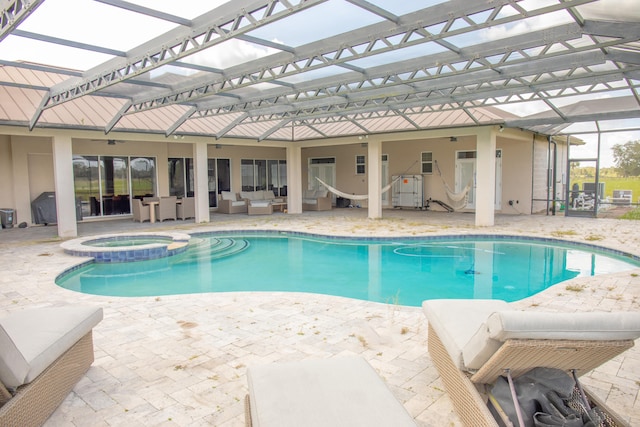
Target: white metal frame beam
[
  {"x": 415, "y": 28},
  {"x": 13, "y": 12},
  {"x": 214, "y": 27}
]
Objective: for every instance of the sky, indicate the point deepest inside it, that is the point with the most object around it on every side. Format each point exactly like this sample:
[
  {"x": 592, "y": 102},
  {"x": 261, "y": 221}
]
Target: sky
[{"x": 95, "y": 23}]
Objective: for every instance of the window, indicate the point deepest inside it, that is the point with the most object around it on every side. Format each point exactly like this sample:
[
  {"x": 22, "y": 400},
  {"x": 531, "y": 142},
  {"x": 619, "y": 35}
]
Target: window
[
  {"x": 176, "y": 177},
  {"x": 181, "y": 178},
  {"x": 277, "y": 177},
  {"x": 219, "y": 177},
  {"x": 143, "y": 176},
  {"x": 427, "y": 162},
  {"x": 105, "y": 184},
  {"x": 247, "y": 171},
  {"x": 263, "y": 174},
  {"x": 360, "y": 165},
  {"x": 466, "y": 155}
]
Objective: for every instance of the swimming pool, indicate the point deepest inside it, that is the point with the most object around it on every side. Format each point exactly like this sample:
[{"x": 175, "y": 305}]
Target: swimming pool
[{"x": 402, "y": 271}]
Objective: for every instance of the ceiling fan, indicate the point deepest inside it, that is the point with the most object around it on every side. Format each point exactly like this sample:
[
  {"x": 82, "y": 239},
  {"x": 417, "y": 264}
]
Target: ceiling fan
[{"x": 109, "y": 141}]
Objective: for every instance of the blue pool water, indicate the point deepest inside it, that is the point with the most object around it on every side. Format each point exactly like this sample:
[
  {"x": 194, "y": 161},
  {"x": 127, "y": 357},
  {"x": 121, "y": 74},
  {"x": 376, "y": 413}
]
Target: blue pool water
[{"x": 398, "y": 271}]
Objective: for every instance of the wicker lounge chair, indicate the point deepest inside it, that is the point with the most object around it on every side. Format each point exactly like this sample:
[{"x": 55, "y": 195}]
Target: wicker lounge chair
[
  {"x": 473, "y": 342},
  {"x": 43, "y": 354}
]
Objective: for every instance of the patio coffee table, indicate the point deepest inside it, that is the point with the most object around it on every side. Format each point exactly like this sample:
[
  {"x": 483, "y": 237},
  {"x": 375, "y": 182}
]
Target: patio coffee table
[{"x": 281, "y": 205}]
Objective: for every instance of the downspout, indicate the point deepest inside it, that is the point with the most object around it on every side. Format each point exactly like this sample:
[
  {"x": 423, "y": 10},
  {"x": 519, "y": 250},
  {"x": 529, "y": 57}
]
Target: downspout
[
  {"x": 554, "y": 176},
  {"x": 533, "y": 167}
]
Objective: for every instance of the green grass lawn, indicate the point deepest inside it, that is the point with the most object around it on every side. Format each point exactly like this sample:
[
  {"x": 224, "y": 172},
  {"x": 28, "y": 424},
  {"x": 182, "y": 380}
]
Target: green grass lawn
[
  {"x": 634, "y": 214},
  {"x": 615, "y": 183}
]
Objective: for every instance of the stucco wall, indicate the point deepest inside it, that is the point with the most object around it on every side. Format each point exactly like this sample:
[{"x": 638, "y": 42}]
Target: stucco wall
[
  {"x": 519, "y": 161},
  {"x": 28, "y": 182},
  {"x": 516, "y": 175},
  {"x": 6, "y": 173},
  {"x": 405, "y": 159}
]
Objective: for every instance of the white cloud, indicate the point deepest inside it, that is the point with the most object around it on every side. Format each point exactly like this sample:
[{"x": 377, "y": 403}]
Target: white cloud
[
  {"x": 230, "y": 53},
  {"x": 612, "y": 10}
]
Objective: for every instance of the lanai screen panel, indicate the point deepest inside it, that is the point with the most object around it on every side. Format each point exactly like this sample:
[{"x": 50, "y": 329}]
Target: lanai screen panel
[{"x": 259, "y": 69}]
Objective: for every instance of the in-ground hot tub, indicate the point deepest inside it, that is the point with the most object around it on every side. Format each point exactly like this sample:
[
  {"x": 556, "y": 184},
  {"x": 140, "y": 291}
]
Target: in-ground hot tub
[{"x": 128, "y": 247}]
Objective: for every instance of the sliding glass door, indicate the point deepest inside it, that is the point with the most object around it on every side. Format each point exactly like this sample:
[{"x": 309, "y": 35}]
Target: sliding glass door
[{"x": 105, "y": 185}]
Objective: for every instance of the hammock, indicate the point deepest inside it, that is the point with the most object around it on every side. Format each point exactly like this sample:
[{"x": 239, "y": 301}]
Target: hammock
[
  {"x": 456, "y": 200},
  {"x": 354, "y": 196}
]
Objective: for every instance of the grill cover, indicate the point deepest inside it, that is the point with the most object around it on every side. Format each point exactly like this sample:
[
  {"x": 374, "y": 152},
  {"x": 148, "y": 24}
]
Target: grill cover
[{"x": 43, "y": 208}]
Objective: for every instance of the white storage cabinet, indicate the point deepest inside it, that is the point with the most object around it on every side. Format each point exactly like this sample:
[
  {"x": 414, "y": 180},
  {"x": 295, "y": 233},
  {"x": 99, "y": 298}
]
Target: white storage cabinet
[{"x": 407, "y": 192}]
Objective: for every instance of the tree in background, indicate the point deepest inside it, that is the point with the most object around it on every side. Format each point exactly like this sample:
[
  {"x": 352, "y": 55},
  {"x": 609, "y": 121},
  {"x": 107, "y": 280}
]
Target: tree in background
[{"x": 627, "y": 158}]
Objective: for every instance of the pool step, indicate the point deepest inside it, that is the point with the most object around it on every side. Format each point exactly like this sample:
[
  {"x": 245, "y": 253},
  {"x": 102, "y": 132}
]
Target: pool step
[{"x": 215, "y": 248}]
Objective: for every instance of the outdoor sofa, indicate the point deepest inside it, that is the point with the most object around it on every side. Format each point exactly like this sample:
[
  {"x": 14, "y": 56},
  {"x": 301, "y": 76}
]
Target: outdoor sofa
[{"x": 261, "y": 196}]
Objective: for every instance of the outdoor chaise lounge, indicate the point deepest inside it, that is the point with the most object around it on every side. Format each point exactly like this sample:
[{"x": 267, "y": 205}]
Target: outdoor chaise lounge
[
  {"x": 43, "y": 353},
  {"x": 340, "y": 392},
  {"x": 473, "y": 342}
]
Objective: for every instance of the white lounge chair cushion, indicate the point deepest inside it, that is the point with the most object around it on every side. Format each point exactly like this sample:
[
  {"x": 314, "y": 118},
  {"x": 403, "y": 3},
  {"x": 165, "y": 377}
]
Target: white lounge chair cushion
[
  {"x": 473, "y": 330},
  {"x": 513, "y": 324},
  {"x": 238, "y": 203},
  {"x": 228, "y": 195},
  {"x": 32, "y": 339},
  {"x": 456, "y": 322},
  {"x": 260, "y": 203},
  {"x": 308, "y": 194},
  {"x": 318, "y": 393}
]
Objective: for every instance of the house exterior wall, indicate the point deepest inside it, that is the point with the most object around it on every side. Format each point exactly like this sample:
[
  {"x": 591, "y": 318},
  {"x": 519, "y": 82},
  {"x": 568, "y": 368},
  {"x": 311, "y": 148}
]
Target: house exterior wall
[
  {"x": 405, "y": 159},
  {"x": 32, "y": 164},
  {"x": 523, "y": 163},
  {"x": 517, "y": 169},
  {"x": 542, "y": 187},
  {"x": 540, "y": 177},
  {"x": 237, "y": 153},
  {"x": 7, "y": 198},
  {"x": 346, "y": 178},
  {"x": 542, "y": 152}
]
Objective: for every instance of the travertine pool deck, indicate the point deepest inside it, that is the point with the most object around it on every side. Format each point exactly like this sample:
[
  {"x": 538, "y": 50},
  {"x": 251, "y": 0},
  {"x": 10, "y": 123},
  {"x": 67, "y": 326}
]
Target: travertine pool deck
[{"x": 181, "y": 360}]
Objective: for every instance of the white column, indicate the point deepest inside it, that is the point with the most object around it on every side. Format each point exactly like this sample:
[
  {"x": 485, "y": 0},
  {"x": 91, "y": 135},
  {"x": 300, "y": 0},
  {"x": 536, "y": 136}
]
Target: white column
[
  {"x": 294, "y": 179},
  {"x": 201, "y": 181},
  {"x": 162, "y": 169},
  {"x": 64, "y": 186},
  {"x": 374, "y": 152},
  {"x": 485, "y": 177}
]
